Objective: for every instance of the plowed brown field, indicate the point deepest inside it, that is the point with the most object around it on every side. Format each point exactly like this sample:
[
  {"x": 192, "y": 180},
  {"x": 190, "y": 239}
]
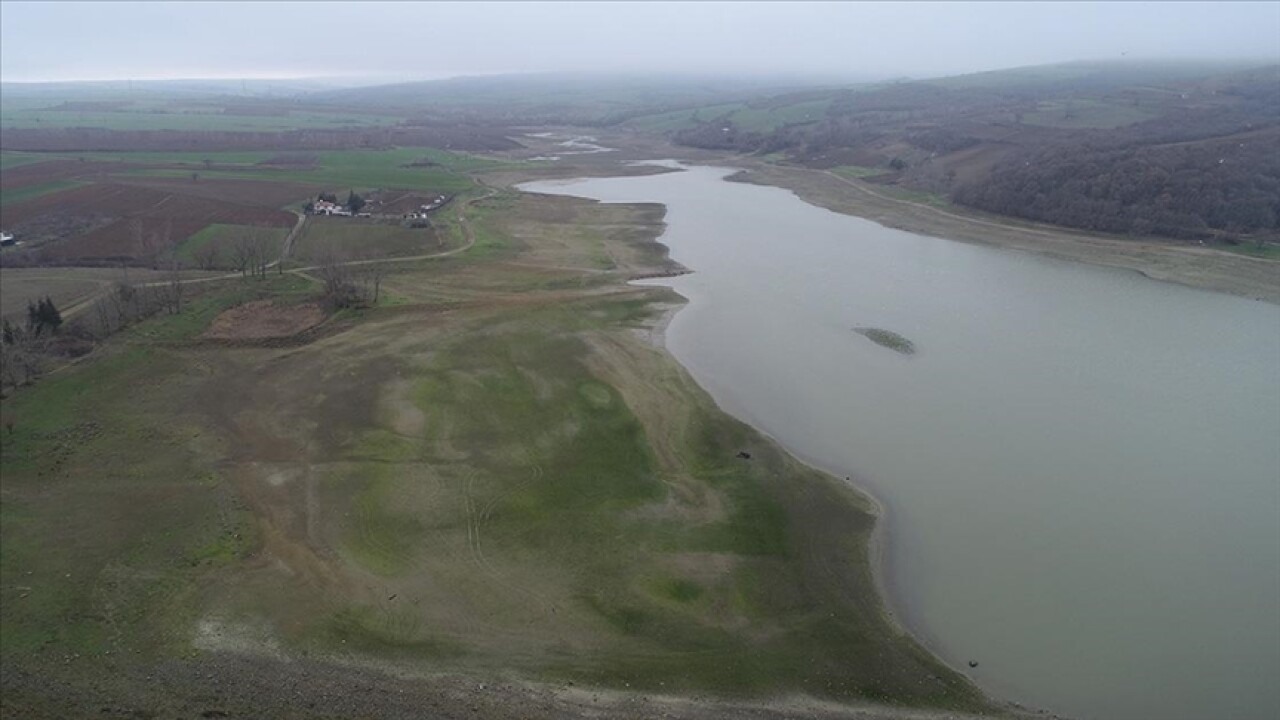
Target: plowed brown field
[
  {"x": 146, "y": 220},
  {"x": 54, "y": 170},
  {"x": 259, "y": 193}
]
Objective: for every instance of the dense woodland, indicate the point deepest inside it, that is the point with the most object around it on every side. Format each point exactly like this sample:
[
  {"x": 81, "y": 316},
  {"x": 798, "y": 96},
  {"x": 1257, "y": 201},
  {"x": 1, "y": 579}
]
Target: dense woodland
[
  {"x": 1201, "y": 160},
  {"x": 1184, "y": 190}
]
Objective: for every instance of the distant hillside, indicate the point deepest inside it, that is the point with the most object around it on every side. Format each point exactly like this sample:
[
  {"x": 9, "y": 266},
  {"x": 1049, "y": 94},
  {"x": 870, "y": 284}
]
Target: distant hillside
[
  {"x": 161, "y": 88},
  {"x": 1176, "y": 149},
  {"x": 552, "y": 98}
]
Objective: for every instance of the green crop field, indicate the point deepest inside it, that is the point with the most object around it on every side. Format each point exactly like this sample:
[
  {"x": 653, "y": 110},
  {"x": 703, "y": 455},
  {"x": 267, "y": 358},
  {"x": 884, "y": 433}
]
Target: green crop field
[
  {"x": 681, "y": 119},
  {"x": 857, "y": 171},
  {"x": 354, "y": 238},
  {"x": 206, "y": 118},
  {"x": 13, "y": 159},
  {"x": 16, "y": 195},
  {"x": 217, "y": 239},
  {"x": 358, "y": 169},
  {"x": 771, "y": 118}
]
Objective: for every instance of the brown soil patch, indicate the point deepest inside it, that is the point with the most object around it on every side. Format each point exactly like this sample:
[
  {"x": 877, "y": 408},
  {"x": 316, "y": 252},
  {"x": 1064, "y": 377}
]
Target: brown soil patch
[
  {"x": 263, "y": 319},
  {"x": 257, "y": 193},
  {"x": 57, "y": 169},
  {"x": 120, "y": 221}
]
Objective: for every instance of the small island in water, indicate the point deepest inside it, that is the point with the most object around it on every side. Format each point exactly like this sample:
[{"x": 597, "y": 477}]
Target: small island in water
[{"x": 887, "y": 338}]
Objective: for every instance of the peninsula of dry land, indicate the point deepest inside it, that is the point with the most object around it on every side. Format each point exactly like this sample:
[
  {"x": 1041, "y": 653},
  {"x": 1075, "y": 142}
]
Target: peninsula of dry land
[{"x": 480, "y": 492}]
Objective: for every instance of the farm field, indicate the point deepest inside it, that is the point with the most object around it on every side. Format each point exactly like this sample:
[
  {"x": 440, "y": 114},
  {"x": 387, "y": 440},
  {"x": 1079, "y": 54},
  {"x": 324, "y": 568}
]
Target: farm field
[
  {"x": 326, "y": 238},
  {"x": 49, "y": 169},
  {"x": 11, "y": 159},
  {"x": 401, "y": 168},
  {"x": 681, "y": 119},
  {"x": 192, "y": 119},
  {"x": 119, "y": 222},
  {"x": 67, "y": 287},
  {"x": 211, "y": 247},
  {"x": 494, "y": 473},
  {"x": 27, "y": 192},
  {"x": 131, "y": 207}
]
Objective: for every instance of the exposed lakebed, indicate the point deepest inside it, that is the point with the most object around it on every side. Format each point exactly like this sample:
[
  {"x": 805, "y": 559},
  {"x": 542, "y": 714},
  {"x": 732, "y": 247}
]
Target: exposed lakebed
[{"x": 1081, "y": 475}]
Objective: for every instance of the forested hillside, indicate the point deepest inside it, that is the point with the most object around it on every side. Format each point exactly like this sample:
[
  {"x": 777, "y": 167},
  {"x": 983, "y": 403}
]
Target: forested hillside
[{"x": 1175, "y": 151}]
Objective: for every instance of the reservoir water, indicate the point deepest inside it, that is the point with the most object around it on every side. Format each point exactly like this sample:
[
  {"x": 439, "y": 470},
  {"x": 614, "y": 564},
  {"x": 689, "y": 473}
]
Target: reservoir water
[{"x": 1080, "y": 466}]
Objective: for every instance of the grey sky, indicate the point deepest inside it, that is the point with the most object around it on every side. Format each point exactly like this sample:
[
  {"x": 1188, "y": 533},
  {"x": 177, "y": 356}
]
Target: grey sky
[{"x": 99, "y": 40}]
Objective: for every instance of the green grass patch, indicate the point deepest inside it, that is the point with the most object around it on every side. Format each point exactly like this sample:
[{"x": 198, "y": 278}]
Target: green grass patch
[
  {"x": 386, "y": 632},
  {"x": 681, "y": 119},
  {"x": 207, "y": 118},
  {"x": 27, "y": 192},
  {"x": 768, "y": 119},
  {"x": 381, "y": 537},
  {"x": 681, "y": 590},
  {"x": 354, "y": 238},
  {"x": 236, "y": 540},
  {"x": 107, "y": 517},
  {"x": 16, "y": 158},
  {"x": 219, "y": 237},
  {"x": 399, "y": 168},
  {"x": 855, "y": 172},
  {"x": 1266, "y": 250}
]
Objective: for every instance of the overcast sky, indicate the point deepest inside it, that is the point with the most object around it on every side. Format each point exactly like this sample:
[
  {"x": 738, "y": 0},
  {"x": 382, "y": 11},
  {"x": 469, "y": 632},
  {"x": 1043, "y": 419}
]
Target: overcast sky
[{"x": 102, "y": 40}]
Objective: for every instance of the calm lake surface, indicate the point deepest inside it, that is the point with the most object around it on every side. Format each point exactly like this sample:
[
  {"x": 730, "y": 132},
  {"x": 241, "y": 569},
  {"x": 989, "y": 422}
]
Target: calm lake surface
[{"x": 1080, "y": 466}]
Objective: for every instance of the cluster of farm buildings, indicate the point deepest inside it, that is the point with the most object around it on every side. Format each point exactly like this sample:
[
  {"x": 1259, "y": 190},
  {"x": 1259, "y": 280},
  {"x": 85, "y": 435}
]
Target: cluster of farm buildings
[{"x": 333, "y": 209}]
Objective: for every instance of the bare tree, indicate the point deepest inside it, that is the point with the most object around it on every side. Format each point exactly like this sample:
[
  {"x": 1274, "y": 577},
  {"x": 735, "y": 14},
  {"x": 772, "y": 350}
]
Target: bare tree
[
  {"x": 102, "y": 313},
  {"x": 206, "y": 256},
  {"x": 341, "y": 289},
  {"x": 242, "y": 252},
  {"x": 21, "y": 356},
  {"x": 262, "y": 247},
  {"x": 376, "y": 272},
  {"x": 172, "y": 297},
  {"x": 250, "y": 252},
  {"x": 159, "y": 246}
]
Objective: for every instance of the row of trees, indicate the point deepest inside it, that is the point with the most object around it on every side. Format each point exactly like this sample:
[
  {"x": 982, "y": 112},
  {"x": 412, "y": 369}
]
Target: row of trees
[
  {"x": 250, "y": 252},
  {"x": 23, "y": 348},
  {"x": 27, "y": 350},
  {"x": 346, "y": 285}
]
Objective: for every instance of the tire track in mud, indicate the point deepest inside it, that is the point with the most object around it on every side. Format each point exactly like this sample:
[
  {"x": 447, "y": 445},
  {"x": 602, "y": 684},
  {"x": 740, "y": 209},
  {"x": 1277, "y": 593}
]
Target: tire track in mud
[{"x": 477, "y": 516}]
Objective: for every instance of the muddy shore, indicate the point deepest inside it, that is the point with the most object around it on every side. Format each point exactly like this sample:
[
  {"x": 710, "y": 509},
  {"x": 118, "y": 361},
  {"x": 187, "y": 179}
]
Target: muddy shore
[{"x": 1166, "y": 260}]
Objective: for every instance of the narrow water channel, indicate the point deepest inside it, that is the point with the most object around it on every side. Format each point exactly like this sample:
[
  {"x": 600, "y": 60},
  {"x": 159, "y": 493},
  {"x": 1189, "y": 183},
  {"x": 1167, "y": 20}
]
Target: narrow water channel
[{"x": 1081, "y": 466}]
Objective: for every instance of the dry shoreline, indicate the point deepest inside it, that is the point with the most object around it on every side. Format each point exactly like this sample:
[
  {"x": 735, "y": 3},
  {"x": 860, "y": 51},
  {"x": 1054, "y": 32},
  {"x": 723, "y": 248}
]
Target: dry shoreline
[
  {"x": 1168, "y": 261},
  {"x": 893, "y": 609},
  {"x": 1161, "y": 259}
]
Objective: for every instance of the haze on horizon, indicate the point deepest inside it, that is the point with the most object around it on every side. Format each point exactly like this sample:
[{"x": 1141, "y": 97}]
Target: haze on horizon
[{"x": 401, "y": 41}]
